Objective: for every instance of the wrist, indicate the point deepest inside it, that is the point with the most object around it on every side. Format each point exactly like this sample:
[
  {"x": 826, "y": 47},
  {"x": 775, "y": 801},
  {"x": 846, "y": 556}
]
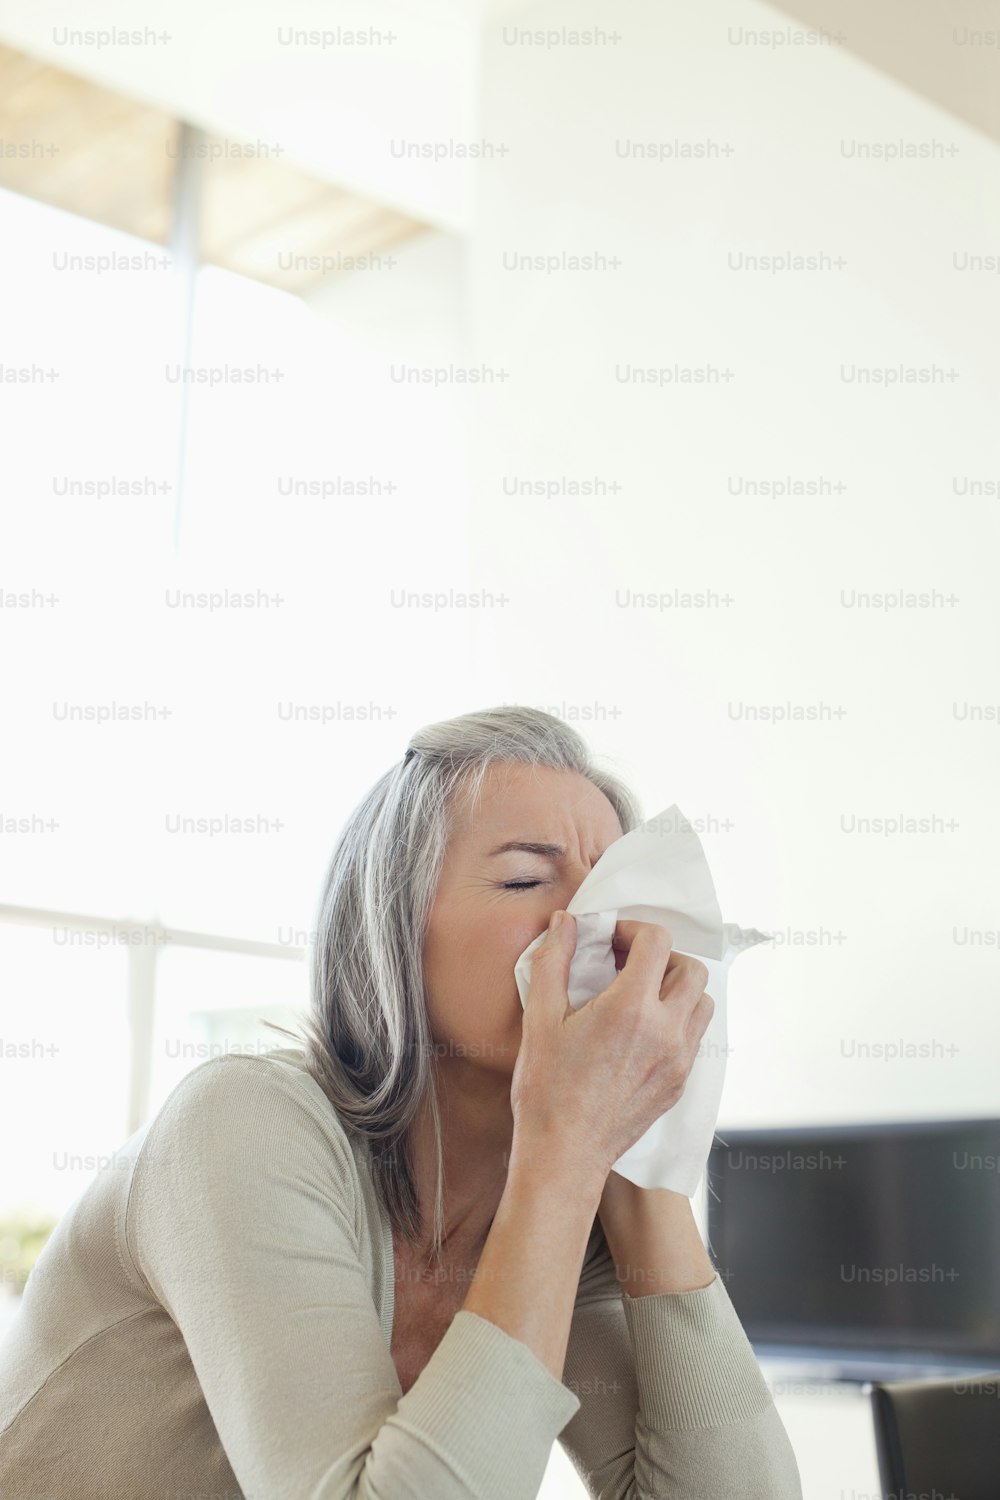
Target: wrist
[
  {"x": 653, "y": 1238},
  {"x": 538, "y": 1159}
]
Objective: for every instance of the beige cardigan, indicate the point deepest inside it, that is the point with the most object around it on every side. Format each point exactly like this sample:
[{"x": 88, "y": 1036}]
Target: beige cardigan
[{"x": 212, "y": 1318}]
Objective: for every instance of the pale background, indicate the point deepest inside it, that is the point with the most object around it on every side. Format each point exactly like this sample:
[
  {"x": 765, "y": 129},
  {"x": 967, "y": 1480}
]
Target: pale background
[{"x": 887, "y": 940}]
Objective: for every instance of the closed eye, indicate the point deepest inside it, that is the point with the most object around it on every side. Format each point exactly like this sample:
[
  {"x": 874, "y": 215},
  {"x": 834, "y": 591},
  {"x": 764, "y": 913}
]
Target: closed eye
[{"x": 520, "y": 885}]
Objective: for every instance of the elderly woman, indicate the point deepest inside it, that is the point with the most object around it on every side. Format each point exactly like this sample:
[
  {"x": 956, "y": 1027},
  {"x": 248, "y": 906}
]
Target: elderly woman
[{"x": 394, "y": 1263}]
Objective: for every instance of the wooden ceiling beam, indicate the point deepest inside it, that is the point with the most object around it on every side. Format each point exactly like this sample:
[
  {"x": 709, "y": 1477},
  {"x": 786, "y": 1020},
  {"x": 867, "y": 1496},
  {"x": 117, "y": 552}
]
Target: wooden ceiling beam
[{"x": 92, "y": 152}]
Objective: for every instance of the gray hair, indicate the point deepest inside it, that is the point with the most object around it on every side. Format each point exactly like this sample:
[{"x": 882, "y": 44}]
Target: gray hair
[{"x": 368, "y": 1039}]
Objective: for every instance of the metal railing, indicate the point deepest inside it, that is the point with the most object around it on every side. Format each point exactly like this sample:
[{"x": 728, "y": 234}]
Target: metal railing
[{"x": 144, "y": 940}]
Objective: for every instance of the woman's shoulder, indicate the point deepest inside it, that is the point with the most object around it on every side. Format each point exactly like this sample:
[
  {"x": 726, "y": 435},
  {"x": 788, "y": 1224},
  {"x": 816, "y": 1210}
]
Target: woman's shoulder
[
  {"x": 247, "y": 1156},
  {"x": 248, "y": 1104}
]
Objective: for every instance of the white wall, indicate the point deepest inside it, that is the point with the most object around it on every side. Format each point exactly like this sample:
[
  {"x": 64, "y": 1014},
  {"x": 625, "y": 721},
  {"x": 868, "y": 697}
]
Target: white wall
[{"x": 667, "y": 677}]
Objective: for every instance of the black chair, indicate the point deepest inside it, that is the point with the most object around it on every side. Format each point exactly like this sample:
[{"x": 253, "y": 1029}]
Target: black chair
[{"x": 938, "y": 1438}]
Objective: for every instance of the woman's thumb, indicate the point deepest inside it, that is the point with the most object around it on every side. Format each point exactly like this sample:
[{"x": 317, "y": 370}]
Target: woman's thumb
[{"x": 550, "y": 967}]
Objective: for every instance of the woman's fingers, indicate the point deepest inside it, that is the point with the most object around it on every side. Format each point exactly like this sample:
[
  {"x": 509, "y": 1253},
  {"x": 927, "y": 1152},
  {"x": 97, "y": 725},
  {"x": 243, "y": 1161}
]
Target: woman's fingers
[
  {"x": 699, "y": 1020},
  {"x": 645, "y": 951}
]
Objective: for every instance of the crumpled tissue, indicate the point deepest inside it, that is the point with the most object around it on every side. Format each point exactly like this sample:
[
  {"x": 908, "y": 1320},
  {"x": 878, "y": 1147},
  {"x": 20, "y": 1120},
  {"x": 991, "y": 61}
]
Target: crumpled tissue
[{"x": 658, "y": 873}]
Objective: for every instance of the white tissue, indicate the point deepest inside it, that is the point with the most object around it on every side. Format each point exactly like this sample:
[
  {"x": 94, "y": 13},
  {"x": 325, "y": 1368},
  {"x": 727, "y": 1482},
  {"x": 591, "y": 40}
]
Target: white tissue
[{"x": 659, "y": 873}]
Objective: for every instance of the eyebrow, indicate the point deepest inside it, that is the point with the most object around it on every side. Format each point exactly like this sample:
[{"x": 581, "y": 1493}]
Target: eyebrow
[{"x": 529, "y": 846}]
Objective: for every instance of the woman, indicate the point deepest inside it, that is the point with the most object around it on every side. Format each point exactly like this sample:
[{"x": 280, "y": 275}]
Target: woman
[{"x": 395, "y": 1262}]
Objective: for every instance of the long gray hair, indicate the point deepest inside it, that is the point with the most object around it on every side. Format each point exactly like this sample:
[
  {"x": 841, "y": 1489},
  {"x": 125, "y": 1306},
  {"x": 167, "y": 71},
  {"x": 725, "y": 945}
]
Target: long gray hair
[{"x": 368, "y": 1039}]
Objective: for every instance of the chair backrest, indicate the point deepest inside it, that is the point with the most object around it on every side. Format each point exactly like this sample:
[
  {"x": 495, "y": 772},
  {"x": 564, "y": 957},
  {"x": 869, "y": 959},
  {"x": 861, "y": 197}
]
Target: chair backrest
[{"x": 939, "y": 1438}]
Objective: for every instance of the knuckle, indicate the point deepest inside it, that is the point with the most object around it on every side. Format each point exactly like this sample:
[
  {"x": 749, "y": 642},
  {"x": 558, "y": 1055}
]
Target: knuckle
[
  {"x": 675, "y": 1070},
  {"x": 647, "y": 932},
  {"x": 545, "y": 956},
  {"x": 675, "y": 1085}
]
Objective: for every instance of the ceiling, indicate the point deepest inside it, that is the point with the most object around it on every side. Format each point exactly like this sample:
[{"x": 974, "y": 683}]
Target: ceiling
[
  {"x": 327, "y": 180},
  {"x": 348, "y": 115},
  {"x": 937, "y": 48},
  {"x": 91, "y": 151}
]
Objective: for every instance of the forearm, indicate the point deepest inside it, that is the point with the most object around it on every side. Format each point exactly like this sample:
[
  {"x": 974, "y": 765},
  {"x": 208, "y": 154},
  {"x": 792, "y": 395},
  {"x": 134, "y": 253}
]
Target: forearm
[
  {"x": 529, "y": 1270},
  {"x": 653, "y": 1238},
  {"x": 706, "y": 1422}
]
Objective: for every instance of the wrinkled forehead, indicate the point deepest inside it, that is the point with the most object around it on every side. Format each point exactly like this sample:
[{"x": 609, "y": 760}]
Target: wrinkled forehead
[{"x": 533, "y": 803}]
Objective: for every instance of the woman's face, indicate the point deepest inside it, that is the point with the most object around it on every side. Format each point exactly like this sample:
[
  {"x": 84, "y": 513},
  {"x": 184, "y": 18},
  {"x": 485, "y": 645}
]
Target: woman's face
[{"x": 491, "y": 902}]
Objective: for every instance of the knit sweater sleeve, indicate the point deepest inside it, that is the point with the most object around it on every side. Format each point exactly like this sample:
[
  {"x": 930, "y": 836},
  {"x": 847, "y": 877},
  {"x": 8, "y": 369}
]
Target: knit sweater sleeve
[
  {"x": 244, "y": 1225},
  {"x": 673, "y": 1404}
]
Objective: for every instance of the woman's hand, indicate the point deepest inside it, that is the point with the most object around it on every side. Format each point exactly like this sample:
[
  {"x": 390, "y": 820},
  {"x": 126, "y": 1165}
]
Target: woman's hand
[{"x": 597, "y": 1078}]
